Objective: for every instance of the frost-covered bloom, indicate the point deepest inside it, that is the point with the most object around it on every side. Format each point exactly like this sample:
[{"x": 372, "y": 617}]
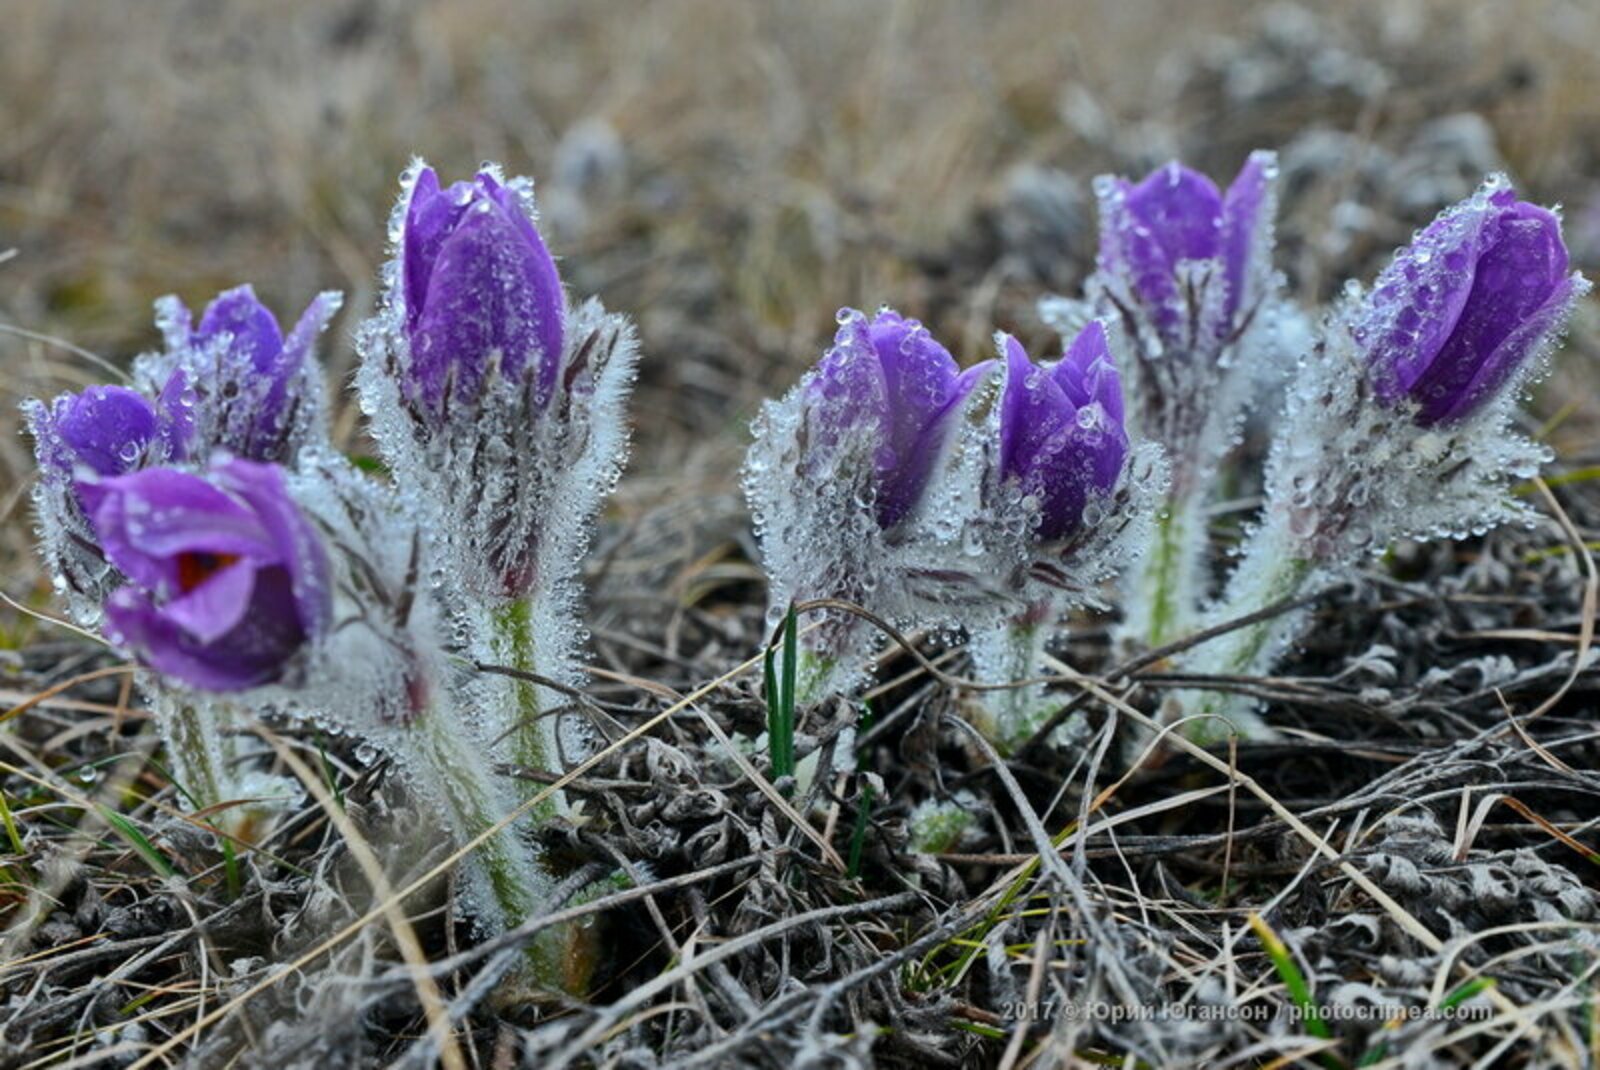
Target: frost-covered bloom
[
  {"x": 235, "y": 381},
  {"x": 482, "y": 295},
  {"x": 227, "y": 581},
  {"x": 839, "y": 475},
  {"x": 1061, "y": 434},
  {"x": 501, "y": 407},
  {"x": 1463, "y": 306},
  {"x": 881, "y": 398},
  {"x": 1399, "y": 423},
  {"x": 1063, "y": 500},
  {"x": 1193, "y": 260},
  {"x": 1185, "y": 271},
  {"x": 100, "y": 431}
]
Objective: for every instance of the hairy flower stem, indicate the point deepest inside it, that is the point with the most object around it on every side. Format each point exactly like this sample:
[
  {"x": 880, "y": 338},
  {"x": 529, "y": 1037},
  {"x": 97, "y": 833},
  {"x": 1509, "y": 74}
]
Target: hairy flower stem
[
  {"x": 197, "y": 749},
  {"x": 532, "y": 737},
  {"x": 512, "y": 872},
  {"x": 564, "y": 957},
  {"x": 1163, "y": 589},
  {"x": 1008, "y": 653},
  {"x": 816, "y": 677},
  {"x": 1270, "y": 572}
]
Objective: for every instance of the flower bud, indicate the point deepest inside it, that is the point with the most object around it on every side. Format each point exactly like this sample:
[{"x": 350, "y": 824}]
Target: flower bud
[
  {"x": 1061, "y": 434},
  {"x": 1461, "y": 309},
  {"x": 482, "y": 295}
]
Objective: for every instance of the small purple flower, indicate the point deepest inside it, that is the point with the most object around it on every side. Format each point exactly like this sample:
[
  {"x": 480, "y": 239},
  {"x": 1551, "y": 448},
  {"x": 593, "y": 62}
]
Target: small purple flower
[
  {"x": 236, "y": 382},
  {"x": 227, "y": 579},
  {"x": 889, "y": 384},
  {"x": 480, "y": 289},
  {"x": 1061, "y": 433},
  {"x": 1461, "y": 309},
  {"x": 1178, "y": 216}
]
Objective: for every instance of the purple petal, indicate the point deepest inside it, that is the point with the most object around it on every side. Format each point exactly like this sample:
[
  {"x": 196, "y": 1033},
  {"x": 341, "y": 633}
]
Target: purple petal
[
  {"x": 919, "y": 378},
  {"x": 479, "y": 282},
  {"x": 216, "y": 605},
  {"x": 1057, "y": 451},
  {"x": 1521, "y": 265},
  {"x": 105, "y": 428},
  {"x": 430, "y": 216},
  {"x": 300, "y": 550},
  {"x": 251, "y": 328},
  {"x": 144, "y": 520},
  {"x": 1246, "y": 211},
  {"x": 1173, "y": 215},
  {"x": 252, "y": 653},
  {"x": 176, "y": 417},
  {"x": 1181, "y": 209}
]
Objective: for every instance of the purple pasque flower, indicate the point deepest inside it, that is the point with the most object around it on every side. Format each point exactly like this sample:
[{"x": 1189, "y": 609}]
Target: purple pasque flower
[
  {"x": 1062, "y": 441},
  {"x": 481, "y": 292},
  {"x": 1172, "y": 237},
  {"x": 236, "y": 382},
  {"x": 889, "y": 388},
  {"x": 99, "y": 431},
  {"x": 227, "y": 581},
  {"x": 1460, "y": 310},
  {"x": 498, "y": 407}
]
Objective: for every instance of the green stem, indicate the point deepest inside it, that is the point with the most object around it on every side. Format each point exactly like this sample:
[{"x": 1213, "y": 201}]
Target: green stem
[
  {"x": 1265, "y": 576},
  {"x": 1009, "y": 653},
  {"x": 814, "y": 677},
  {"x": 1163, "y": 587},
  {"x": 195, "y": 754},
  {"x": 532, "y": 738},
  {"x": 558, "y": 959}
]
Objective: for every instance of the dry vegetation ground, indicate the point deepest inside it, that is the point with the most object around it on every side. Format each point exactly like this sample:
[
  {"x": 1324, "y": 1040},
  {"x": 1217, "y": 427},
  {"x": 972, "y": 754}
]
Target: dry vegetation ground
[{"x": 730, "y": 174}]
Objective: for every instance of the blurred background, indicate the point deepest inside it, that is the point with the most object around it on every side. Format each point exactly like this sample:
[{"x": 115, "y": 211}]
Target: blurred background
[{"x": 731, "y": 173}]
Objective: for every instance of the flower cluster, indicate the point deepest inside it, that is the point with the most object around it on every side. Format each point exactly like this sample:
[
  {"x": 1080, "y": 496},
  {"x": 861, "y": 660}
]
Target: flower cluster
[
  {"x": 939, "y": 498},
  {"x": 987, "y": 501},
  {"x": 204, "y": 521}
]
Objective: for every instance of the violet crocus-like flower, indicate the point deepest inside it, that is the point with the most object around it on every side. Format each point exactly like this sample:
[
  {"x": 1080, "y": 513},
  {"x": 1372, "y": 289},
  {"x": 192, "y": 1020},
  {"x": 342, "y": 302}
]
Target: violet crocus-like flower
[
  {"x": 1399, "y": 423},
  {"x": 1061, "y": 434},
  {"x": 1185, "y": 271},
  {"x": 1462, "y": 308},
  {"x": 99, "y": 431},
  {"x": 502, "y": 415},
  {"x": 887, "y": 389},
  {"x": 1173, "y": 238},
  {"x": 235, "y": 381},
  {"x": 482, "y": 295},
  {"x": 501, "y": 406},
  {"x": 226, "y": 579},
  {"x": 1066, "y": 500},
  {"x": 839, "y": 481}
]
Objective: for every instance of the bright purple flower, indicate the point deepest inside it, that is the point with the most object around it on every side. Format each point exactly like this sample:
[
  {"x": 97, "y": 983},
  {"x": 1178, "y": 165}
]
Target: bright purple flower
[
  {"x": 889, "y": 381},
  {"x": 246, "y": 387},
  {"x": 1176, "y": 215},
  {"x": 227, "y": 579},
  {"x": 1461, "y": 309},
  {"x": 480, "y": 289},
  {"x": 1061, "y": 433}
]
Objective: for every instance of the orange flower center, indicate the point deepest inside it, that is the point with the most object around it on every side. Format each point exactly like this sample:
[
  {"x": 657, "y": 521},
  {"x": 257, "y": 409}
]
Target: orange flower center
[{"x": 197, "y": 566}]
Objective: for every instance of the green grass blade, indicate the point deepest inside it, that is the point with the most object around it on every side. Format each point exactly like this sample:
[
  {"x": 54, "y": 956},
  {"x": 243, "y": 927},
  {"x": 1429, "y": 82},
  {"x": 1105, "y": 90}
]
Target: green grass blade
[
  {"x": 1295, "y": 981},
  {"x": 143, "y": 847}
]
